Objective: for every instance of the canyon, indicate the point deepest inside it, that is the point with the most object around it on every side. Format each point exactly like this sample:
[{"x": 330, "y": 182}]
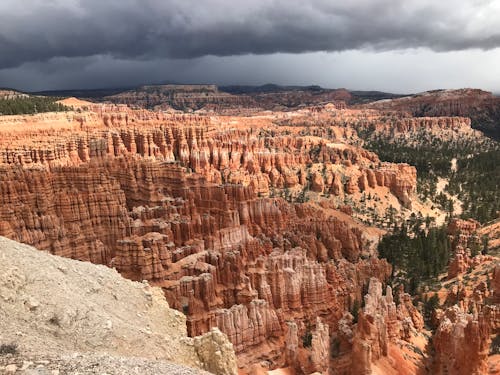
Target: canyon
[{"x": 249, "y": 223}]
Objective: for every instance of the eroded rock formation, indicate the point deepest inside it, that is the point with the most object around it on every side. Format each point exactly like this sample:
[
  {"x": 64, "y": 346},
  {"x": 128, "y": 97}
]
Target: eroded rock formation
[
  {"x": 461, "y": 343},
  {"x": 245, "y": 223},
  {"x": 466, "y": 246},
  {"x": 210, "y": 98},
  {"x": 55, "y": 307},
  {"x": 481, "y": 106},
  {"x": 382, "y": 323},
  {"x": 210, "y": 214}
]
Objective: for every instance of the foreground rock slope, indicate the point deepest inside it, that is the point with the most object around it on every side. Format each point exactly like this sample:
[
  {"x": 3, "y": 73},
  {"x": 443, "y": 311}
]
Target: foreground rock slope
[{"x": 64, "y": 311}]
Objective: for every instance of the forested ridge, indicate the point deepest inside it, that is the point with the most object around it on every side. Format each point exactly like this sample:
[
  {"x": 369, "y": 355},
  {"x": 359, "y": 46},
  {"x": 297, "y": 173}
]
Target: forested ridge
[{"x": 30, "y": 105}]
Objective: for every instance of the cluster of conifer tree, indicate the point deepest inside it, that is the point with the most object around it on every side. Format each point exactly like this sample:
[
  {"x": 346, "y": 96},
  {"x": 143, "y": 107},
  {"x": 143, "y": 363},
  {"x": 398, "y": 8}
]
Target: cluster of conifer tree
[
  {"x": 477, "y": 184},
  {"x": 416, "y": 253},
  {"x": 30, "y": 105}
]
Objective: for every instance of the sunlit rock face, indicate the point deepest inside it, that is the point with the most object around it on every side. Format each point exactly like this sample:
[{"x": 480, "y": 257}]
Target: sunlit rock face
[{"x": 462, "y": 343}]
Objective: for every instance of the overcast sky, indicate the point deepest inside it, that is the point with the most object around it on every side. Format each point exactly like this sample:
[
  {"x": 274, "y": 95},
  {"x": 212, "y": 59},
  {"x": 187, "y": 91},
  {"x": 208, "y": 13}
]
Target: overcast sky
[{"x": 391, "y": 45}]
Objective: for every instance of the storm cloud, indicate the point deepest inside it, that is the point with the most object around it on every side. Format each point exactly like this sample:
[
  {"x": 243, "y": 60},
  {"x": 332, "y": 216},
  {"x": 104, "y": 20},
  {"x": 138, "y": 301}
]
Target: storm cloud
[{"x": 34, "y": 31}]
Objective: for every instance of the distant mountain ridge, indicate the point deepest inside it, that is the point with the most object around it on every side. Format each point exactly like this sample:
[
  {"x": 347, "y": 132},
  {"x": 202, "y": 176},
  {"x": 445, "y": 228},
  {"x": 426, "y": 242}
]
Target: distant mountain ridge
[
  {"x": 481, "y": 106},
  {"x": 268, "y": 87},
  {"x": 227, "y": 99},
  {"x": 99, "y": 94}
]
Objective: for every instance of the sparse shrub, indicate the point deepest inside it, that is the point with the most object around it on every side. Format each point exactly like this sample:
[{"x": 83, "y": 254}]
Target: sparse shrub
[
  {"x": 185, "y": 309},
  {"x": 55, "y": 320},
  {"x": 334, "y": 347},
  {"x": 307, "y": 339},
  {"x": 10, "y": 348},
  {"x": 355, "y": 311},
  {"x": 417, "y": 350},
  {"x": 495, "y": 345}
]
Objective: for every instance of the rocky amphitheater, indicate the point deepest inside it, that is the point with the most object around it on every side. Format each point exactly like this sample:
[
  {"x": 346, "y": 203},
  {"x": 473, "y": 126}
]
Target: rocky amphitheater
[{"x": 221, "y": 243}]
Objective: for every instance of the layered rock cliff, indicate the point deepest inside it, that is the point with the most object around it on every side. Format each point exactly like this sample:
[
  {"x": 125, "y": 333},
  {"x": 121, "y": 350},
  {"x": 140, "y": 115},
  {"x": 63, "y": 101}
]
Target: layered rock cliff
[
  {"x": 481, "y": 106},
  {"x": 209, "y": 98}
]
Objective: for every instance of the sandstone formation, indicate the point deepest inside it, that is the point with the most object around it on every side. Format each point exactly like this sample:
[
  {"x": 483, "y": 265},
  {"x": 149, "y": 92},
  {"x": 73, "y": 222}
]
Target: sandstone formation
[
  {"x": 381, "y": 324},
  {"x": 320, "y": 344},
  {"x": 496, "y": 284},
  {"x": 428, "y": 124},
  {"x": 216, "y": 353},
  {"x": 164, "y": 97},
  {"x": 468, "y": 319},
  {"x": 437, "y": 103},
  {"x": 11, "y": 94},
  {"x": 210, "y": 98},
  {"x": 466, "y": 246},
  {"x": 462, "y": 343}
]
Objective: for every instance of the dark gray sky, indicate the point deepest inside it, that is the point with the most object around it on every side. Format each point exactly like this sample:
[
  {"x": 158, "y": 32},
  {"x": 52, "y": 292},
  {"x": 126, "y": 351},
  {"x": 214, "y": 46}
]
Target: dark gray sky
[{"x": 391, "y": 45}]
